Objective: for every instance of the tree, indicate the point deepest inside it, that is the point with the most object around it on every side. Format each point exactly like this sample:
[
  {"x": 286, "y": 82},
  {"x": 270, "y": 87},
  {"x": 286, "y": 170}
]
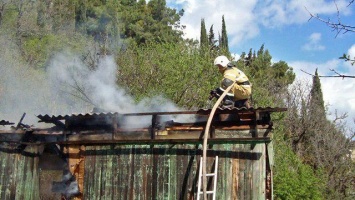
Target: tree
[
  {"x": 165, "y": 25},
  {"x": 292, "y": 178},
  {"x": 224, "y": 38},
  {"x": 318, "y": 142},
  {"x": 222, "y": 47},
  {"x": 204, "y": 42},
  {"x": 211, "y": 39},
  {"x": 176, "y": 71},
  {"x": 316, "y": 101},
  {"x": 112, "y": 24},
  {"x": 268, "y": 79},
  {"x": 2, "y": 8}
]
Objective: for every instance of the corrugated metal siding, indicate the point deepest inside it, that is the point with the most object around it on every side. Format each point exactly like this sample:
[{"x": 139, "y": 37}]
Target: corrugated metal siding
[
  {"x": 19, "y": 175},
  {"x": 169, "y": 171}
]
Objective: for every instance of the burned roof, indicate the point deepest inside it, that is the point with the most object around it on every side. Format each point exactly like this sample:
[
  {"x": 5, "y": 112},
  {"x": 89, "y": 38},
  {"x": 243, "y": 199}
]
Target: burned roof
[
  {"x": 109, "y": 120},
  {"x": 150, "y": 127},
  {"x": 3, "y": 122},
  {"x": 46, "y": 117}
]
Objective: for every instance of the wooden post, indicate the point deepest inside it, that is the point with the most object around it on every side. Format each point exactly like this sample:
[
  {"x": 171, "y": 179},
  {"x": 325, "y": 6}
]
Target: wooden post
[
  {"x": 114, "y": 126},
  {"x": 152, "y": 130},
  {"x": 255, "y": 133}
]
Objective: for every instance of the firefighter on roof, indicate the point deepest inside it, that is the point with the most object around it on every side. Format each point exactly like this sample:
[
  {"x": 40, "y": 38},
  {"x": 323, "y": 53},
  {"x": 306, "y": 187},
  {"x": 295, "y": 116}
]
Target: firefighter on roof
[{"x": 240, "y": 93}]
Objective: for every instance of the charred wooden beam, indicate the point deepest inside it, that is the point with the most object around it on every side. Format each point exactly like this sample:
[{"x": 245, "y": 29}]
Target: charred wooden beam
[
  {"x": 3, "y": 123},
  {"x": 207, "y": 111},
  {"x": 50, "y": 135},
  {"x": 161, "y": 141},
  {"x": 153, "y": 127},
  {"x": 27, "y": 138},
  {"x": 20, "y": 124}
]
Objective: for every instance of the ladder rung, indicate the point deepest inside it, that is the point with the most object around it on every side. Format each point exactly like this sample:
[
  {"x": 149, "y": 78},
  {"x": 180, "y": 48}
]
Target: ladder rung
[
  {"x": 213, "y": 174},
  {"x": 207, "y": 192}
]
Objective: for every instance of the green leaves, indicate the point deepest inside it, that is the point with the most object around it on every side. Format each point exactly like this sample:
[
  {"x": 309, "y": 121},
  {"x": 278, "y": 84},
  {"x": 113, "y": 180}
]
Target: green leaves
[
  {"x": 270, "y": 80},
  {"x": 38, "y": 49},
  {"x": 175, "y": 71},
  {"x": 292, "y": 178},
  {"x": 347, "y": 58}
]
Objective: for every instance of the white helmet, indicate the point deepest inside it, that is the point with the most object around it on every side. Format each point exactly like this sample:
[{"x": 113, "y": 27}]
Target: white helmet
[{"x": 221, "y": 60}]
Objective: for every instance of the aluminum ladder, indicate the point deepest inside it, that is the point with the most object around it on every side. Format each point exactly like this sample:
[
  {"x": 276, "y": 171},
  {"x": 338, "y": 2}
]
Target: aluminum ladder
[{"x": 214, "y": 175}]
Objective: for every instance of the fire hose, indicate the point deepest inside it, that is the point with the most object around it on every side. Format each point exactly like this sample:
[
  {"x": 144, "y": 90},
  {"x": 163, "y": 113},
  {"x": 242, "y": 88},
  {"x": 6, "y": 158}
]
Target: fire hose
[{"x": 207, "y": 129}]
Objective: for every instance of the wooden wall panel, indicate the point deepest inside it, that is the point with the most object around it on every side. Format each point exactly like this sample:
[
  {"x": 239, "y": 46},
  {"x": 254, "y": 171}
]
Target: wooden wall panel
[
  {"x": 19, "y": 177},
  {"x": 170, "y": 171}
]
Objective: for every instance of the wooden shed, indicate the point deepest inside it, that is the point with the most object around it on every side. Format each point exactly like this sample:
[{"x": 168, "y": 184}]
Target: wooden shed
[{"x": 97, "y": 156}]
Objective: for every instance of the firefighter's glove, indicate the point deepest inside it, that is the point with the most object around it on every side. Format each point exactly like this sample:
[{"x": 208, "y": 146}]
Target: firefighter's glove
[
  {"x": 215, "y": 93},
  {"x": 212, "y": 94}
]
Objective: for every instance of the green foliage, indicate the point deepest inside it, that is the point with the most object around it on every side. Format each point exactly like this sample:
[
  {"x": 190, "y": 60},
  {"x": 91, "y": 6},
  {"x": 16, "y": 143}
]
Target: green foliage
[
  {"x": 212, "y": 43},
  {"x": 175, "y": 71},
  {"x": 292, "y": 178},
  {"x": 215, "y": 49},
  {"x": 203, "y": 36},
  {"x": 317, "y": 102},
  {"x": 8, "y": 19},
  {"x": 347, "y": 58},
  {"x": 152, "y": 22},
  {"x": 224, "y": 38},
  {"x": 38, "y": 49},
  {"x": 319, "y": 143},
  {"x": 270, "y": 80}
]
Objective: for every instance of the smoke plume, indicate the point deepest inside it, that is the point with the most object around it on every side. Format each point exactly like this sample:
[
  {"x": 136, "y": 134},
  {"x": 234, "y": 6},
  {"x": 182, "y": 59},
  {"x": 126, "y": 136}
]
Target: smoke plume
[
  {"x": 98, "y": 88},
  {"x": 69, "y": 86}
]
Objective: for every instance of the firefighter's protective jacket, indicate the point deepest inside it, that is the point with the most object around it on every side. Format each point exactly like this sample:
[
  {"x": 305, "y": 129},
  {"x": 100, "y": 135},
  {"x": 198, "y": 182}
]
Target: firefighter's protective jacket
[{"x": 242, "y": 88}]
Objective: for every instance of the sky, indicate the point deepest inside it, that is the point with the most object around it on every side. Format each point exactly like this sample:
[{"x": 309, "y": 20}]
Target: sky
[{"x": 288, "y": 32}]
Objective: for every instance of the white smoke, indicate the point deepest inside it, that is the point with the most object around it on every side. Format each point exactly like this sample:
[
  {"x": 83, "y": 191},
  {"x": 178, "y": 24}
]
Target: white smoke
[
  {"x": 69, "y": 86},
  {"x": 70, "y": 76},
  {"x": 23, "y": 89}
]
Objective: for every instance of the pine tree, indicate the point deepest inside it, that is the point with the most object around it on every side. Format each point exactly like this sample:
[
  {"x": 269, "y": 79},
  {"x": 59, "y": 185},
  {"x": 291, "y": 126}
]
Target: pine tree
[
  {"x": 261, "y": 50},
  {"x": 249, "y": 58},
  {"x": 157, "y": 8}
]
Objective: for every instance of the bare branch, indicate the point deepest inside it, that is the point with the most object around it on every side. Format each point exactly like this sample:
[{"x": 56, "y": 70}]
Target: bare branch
[
  {"x": 336, "y": 76},
  {"x": 336, "y": 26},
  {"x": 339, "y": 117},
  {"x": 81, "y": 91}
]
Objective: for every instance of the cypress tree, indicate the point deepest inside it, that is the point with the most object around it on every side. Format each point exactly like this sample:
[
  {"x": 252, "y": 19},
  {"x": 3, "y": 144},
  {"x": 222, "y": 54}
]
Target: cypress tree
[
  {"x": 213, "y": 48},
  {"x": 211, "y": 40},
  {"x": 219, "y": 41},
  {"x": 203, "y": 35},
  {"x": 224, "y": 39},
  {"x": 317, "y": 119},
  {"x": 317, "y": 103}
]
